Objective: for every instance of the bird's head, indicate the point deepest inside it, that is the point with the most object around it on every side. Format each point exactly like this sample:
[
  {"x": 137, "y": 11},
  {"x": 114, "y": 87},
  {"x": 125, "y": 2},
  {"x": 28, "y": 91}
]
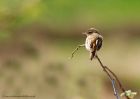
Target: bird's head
[{"x": 91, "y": 31}]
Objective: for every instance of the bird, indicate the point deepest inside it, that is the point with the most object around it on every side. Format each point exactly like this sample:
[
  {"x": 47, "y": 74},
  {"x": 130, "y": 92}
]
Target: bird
[{"x": 93, "y": 42}]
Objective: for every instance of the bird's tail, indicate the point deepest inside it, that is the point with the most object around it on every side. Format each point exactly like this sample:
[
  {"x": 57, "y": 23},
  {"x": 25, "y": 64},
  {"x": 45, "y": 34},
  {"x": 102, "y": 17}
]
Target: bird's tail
[{"x": 92, "y": 55}]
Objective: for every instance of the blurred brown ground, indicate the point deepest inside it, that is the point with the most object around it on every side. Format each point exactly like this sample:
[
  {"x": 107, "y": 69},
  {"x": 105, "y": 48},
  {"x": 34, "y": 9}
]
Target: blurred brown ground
[{"x": 37, "y": 38}]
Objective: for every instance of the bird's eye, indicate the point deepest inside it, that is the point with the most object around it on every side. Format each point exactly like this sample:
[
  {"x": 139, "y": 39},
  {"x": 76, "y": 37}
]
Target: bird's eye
[{"x": 89, "y": 32}]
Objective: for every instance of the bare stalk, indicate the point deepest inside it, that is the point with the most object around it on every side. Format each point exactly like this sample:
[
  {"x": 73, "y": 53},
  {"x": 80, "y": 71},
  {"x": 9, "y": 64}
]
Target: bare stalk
[
  {"x": 112, "y": 76},
  {"x": 77, "y": 48}
]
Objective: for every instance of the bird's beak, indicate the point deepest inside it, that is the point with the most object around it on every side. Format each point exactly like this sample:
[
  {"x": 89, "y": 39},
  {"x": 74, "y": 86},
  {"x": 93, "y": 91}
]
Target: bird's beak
[{"x": 84, "y": 33}]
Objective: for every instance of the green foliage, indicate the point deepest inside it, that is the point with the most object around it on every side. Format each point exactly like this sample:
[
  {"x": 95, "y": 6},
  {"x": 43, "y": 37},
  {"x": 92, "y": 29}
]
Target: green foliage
[{"x": 67, "y": 13}]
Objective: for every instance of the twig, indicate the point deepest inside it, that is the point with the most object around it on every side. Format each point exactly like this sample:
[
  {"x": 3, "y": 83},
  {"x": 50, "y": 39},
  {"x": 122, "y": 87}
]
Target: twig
[
  {"x": 119, "y": 83},
  {"x": 115, "y": 89},
  {"x": 76, "y": 50},
  {"x": 112, "y": 76}
]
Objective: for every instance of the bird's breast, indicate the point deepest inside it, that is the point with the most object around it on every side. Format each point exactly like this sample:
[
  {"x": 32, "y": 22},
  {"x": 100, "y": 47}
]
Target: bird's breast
[{"x": 88, "y": 43}]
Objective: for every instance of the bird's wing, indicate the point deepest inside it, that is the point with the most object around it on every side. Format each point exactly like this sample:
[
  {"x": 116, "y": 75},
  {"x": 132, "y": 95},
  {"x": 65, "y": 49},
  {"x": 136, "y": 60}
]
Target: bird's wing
[
  {"x": 99, "y": 43},
  {"x": 93, "y": 43},
  {"x": 93, "y": 48}
]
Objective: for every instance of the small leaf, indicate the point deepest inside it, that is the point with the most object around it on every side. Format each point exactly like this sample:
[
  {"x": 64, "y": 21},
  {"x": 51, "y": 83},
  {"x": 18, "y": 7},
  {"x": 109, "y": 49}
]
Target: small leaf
[{"x": 129, "y": 94}]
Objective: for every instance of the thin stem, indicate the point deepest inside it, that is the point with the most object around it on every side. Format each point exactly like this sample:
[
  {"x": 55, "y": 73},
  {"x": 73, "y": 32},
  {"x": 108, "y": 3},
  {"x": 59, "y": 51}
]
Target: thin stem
[
  {"x": 115, "y": 89},
  {"x": 77, "y": 48},
  {"x": 107, "y": 70},
  {"x": 110, "y": 77},
  {"x": 119, "y": 83}
]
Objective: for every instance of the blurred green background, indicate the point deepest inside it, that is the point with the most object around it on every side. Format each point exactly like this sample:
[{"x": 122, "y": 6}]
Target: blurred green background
[{"x": 38, "y": 36}]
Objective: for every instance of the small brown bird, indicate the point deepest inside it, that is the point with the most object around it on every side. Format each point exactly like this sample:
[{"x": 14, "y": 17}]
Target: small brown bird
[{"x": 93, "y": 41}]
